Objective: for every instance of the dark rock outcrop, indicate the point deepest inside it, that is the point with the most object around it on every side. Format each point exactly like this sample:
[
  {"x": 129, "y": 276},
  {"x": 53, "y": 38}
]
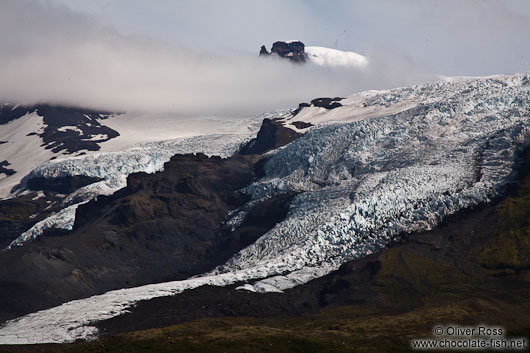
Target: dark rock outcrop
[
  {"x": 61, "y": 185},
  {"x": 466, "y": 260},
  {"x": 86, "y": 123},
  {"x": 300, "y": 107},
  {"x": 263, "y": 51},
  {"x": 66, "y": 128},
  {"x": 293, "y": 51},
  {"x": 10, "y": 112},
  {"x": 163, "y": 226},
  {"x": 19, "y": 214},
  {"x": 301, "y": 124},
  {"x": 272, "y": 134},
  {"x": 327, "y": 103},
  {"x": 5, "y": 170}
]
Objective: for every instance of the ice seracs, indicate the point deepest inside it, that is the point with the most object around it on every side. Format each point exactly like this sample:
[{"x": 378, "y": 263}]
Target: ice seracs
[
  {"x": 382, "y": 164},
  {"x": 149, "y": 157}
]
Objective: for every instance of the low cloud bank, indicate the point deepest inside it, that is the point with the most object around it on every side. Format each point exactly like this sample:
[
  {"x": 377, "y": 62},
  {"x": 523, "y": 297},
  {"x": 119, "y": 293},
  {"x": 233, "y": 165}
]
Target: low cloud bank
[{"x": 52, "y": 54}]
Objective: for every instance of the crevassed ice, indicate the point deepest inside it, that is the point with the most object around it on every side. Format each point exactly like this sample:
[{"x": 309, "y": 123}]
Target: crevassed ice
[
  {"x": 114, "y": 167},
  {"x": 359, "y": 184}
]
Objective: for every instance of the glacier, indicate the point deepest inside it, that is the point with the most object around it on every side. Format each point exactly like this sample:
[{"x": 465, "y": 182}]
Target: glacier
[
  {"x": 383, "y": 165},
  {"x": 114, "y": 167}
]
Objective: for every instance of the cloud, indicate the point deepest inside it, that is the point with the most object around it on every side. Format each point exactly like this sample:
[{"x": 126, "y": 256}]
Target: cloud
[
  {"x": 55, "y": 55},
  {"x": 451, "y": 37}
]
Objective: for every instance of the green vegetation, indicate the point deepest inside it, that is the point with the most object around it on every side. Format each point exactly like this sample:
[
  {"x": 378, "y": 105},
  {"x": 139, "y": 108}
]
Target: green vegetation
[
  {"x": 414, "y": 292},
  {"x": 509, "y": 249},
  {"x": 15, "y": 216}
]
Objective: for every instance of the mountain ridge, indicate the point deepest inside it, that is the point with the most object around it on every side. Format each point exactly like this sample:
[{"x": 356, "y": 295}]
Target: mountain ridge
[{"x": 362, "y": 176}]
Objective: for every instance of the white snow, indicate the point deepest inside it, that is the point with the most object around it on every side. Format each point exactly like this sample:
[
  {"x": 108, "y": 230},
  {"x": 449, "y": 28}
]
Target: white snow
[
  {"x": 97, "y": 137},
  {"x": 22, "y": 151},
  {"x": 138, "y": 128},
  {"x": 71, "y": 128},
  {"x": 114, "y": 167},
  {"x": 26, "y": 153},
  {"x": 63, "y": 219},
  {"x": 334, "y": 57},
  {"x": 431, "y": 151}
]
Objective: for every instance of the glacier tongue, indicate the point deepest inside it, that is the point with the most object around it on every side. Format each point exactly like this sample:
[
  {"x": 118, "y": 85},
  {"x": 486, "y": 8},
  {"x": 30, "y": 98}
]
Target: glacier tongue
[
  {"x": 113, "y": 168},
  {"x": 362, "y": 184},
  {"x": 438, "y": 149},
  {"x": 149, "y": 157}
]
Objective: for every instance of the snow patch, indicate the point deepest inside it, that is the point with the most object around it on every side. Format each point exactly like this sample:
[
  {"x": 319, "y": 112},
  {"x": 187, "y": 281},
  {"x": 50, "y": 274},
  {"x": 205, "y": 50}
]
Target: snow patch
[
  {"x": 441, "y": 148},
  {"x": 333, "y": 57},
  {"x": 114, "y": 167}
]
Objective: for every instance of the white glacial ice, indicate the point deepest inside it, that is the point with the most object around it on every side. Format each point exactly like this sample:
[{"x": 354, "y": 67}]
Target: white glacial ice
[
  {"x": 114, "y": 167},
  {"x": 431, "y": 151}
]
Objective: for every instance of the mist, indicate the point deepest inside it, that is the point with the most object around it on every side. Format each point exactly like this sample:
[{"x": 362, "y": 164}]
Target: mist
[{"x": 55, "y": 55}]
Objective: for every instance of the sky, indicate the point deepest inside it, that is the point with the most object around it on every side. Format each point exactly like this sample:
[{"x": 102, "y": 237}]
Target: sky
[{"x": 196, "y": 56}]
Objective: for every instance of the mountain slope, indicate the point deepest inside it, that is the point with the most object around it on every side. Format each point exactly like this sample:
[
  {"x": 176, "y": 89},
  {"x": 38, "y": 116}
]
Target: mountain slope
[
  {"x": 30, "y": 136},
  {"x": 464, "y": 271},
  {"x": 40, "y": 132},
  {"x": 374, "y": 168}
]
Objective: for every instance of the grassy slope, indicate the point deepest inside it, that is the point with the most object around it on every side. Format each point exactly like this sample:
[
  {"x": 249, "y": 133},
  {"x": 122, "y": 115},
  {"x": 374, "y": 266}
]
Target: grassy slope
[{"x": 414, "y": 292}]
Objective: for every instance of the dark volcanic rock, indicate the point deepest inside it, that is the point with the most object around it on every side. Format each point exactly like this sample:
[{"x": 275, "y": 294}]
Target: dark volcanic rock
[
  {"x": 301, "y": 124},
  {"x": 293, "y": 51},
  {"x": 5, "y": 170},
  {"x": 9, "y": 112},
  {"x": 465, "y": 259},
  {"x": 20, "y": 213},
  {"x": 272, "y": 134},
  {"x": 263, "y": 51},
  {"x": 66, "y": 128},
  {"x": 163, "y": 226},
  {"x": 86, "y": 123},
  {"x": 328, "y": 103},
  {"x": 300, "y": 107},
  {"x": 62, "y": 185}
]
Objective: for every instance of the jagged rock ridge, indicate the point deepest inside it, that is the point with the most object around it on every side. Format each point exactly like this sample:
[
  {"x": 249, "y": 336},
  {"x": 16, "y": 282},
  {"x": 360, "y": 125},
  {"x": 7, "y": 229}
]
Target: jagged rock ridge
[
  {"x": 292, "y": 50},
  {"x": 382, "y": 165},
  {"x": 66, "y": 128}
]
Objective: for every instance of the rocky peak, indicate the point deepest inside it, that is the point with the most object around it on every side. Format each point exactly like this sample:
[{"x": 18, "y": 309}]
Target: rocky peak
[
  {"x": 263, "y": 51},
  {"x": 292, "y": 50}
]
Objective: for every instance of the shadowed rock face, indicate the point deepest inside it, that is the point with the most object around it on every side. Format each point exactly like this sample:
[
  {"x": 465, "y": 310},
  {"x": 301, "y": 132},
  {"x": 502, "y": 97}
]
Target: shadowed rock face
[
  {"x": 293, "y": 51},
  {"x": 18, "y": 214},
  {"x": 467, "y": 259},
  {"x": 163, "y": 226},
  {"x": 272, "y": 134},
  {"x": 62, "y": 185},
  {"x": 66, "y": 129},
  {"x": 9, "y": 112},
  {"x": 327, "y": 103},
  {"x": 263, "y": 51},
  {"x": 4, "y": 168}
]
